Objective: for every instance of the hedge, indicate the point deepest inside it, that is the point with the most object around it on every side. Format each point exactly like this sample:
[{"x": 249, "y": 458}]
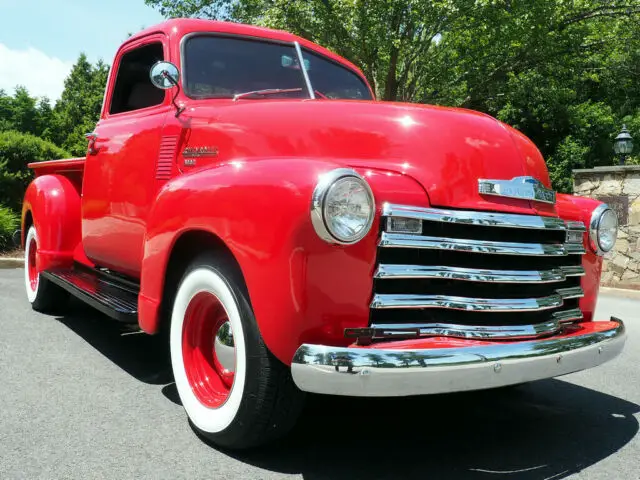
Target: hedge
[
  {"x": 16, "y": 151},
  {"x": 8, "y": 225}
]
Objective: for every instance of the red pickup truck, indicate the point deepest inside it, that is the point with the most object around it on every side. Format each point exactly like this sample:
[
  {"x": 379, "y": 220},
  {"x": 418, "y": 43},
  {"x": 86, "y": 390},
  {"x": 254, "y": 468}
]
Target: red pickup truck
[{"x": 245, "y": 193}]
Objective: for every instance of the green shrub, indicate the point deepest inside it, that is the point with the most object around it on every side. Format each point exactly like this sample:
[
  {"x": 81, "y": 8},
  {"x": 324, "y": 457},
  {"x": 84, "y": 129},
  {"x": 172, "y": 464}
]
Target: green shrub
[
  {"x": 8, "y": 225},
  {"x": 16, "y": 151}
]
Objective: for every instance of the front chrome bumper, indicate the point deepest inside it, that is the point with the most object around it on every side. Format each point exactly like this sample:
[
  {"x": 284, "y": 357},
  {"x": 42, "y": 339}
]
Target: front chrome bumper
[{"x": 390, "y": 369}]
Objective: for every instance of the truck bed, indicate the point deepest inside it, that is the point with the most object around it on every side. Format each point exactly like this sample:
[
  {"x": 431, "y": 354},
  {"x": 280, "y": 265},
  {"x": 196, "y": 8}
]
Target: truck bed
[{"x": 64, "y": 166}]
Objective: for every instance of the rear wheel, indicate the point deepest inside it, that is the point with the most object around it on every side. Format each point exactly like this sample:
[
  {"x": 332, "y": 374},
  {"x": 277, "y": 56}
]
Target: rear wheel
[
  {"x": 43, "y": 295},
  {"x": 235, "y": 392}
]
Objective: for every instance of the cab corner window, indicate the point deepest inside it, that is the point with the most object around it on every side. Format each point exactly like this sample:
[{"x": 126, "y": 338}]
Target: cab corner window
[{"x": 133, "y": 88}]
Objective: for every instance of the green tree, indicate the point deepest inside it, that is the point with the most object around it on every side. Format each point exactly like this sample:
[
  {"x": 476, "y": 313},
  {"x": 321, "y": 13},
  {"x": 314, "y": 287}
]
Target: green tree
[
  {"x": 388, "y": 39},
  {"x": 78, "y": 109},
  {"x": 24, "y": 111},
  {"x": 44, "y": 119}
]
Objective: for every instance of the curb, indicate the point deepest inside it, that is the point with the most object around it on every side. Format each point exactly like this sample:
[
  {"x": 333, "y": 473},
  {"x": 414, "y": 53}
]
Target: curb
[
  {"x": 620, "y": 292},
  {"x": 11, "y": 262}
]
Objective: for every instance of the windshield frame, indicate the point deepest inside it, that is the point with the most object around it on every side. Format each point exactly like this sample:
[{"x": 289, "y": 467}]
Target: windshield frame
[{"x": 306, "y": 80}]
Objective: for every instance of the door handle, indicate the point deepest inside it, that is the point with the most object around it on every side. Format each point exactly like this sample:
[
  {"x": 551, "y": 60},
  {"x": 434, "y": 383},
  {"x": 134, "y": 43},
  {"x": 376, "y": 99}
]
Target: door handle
[{"x": 91, "y": 148}]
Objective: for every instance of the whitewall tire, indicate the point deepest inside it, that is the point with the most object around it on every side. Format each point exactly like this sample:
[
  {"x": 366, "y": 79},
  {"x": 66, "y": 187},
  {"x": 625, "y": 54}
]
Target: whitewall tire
[
  {"x": 42, "y": 294},
  {"x": 235, "y": 393}
]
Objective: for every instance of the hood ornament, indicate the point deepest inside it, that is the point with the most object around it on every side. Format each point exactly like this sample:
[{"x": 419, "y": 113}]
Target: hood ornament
[{"x": 524, "y": 188}]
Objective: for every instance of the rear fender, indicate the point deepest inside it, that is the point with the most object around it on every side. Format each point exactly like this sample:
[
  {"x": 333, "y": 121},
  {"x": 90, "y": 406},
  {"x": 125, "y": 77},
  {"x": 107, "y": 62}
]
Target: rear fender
[{"x": 52, "y": 204}]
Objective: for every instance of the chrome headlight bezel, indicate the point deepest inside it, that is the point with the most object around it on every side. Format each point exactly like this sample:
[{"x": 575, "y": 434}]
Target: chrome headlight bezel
[
  {"x": 322, "y": 189},
  {"x": 594, "y": 228}
]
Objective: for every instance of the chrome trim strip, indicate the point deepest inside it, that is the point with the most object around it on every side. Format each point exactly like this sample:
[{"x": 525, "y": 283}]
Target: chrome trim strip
[
  {"x": 307, "y": 80},
  {"x": 394, "y": 271},
  {"x": 394, "y": 300},
  {"x": 487, "y": 219},
  {"x": 397, "y": 240},
  {"x": 391, "y": 371},
  {"x": 568, "y": 315}
]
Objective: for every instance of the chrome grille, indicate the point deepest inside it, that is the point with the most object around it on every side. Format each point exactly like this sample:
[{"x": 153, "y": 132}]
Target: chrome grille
[{"x": 475, "y": 275}]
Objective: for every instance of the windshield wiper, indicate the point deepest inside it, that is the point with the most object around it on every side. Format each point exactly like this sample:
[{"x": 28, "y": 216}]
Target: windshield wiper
[{"x": 267, "y": 91}]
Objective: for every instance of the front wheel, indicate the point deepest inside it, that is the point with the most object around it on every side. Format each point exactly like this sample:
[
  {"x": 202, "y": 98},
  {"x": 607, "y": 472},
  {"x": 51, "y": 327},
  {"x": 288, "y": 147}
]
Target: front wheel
[
  {"x": 235, "y": 392},
  {"x": 43, "y": 295}
]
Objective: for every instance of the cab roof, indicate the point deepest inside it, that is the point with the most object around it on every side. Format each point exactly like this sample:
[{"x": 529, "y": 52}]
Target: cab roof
[{"x": 177, "y": 28}]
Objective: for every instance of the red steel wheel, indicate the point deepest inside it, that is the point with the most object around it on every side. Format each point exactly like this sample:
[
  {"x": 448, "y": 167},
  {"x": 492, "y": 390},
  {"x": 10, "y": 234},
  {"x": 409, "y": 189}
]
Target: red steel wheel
[
  {"x": 31, "y": 270},
  {"x": 208, "y": 350}
]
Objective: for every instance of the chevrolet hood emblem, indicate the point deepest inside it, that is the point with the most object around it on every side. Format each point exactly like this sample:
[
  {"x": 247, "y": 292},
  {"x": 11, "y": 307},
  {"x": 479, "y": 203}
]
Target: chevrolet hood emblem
[{"x": 525, "y": 188}]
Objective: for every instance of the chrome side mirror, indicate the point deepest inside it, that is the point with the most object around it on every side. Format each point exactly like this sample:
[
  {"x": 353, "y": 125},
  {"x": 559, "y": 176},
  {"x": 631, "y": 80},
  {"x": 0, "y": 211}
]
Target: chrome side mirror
[{"x": 164, "y": 75}]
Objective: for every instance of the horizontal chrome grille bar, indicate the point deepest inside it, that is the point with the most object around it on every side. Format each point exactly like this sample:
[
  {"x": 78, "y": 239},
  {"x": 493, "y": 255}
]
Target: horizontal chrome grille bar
[
  {"x": 572, "y": 292},
  {"x": 396, "y": 240},
  {"x": 559, "y": 274},
  {"x": 487, "y": 219},
  {"x": 413, "y": 301},
  {"x": 566, "y": 316},
  {"x": 486, "y": 332},
  {"x": 579, "y": 226}
]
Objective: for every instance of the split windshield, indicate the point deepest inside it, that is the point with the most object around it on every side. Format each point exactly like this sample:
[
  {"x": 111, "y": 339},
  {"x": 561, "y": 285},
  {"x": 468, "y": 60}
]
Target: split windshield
[{"x": 222, "y": 67}]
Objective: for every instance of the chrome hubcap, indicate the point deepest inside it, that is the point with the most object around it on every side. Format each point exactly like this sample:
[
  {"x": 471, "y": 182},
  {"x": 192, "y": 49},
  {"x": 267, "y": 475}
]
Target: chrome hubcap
[{"x": 224, "y": 349}]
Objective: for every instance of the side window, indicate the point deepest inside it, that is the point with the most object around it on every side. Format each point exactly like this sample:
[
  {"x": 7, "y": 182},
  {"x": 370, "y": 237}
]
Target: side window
[
  {"x": 333, "y": 80},
  {"x": 133, "y": 88}
]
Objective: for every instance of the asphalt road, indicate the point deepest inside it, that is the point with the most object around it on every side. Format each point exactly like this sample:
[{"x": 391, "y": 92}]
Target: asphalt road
[{"x": 80, "y": 400}]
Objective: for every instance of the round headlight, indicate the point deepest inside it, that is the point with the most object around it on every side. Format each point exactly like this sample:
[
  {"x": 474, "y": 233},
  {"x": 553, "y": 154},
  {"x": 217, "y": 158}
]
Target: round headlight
[
  {"x": 603, "y": 229},
  {"x": 342, "y": 207}
]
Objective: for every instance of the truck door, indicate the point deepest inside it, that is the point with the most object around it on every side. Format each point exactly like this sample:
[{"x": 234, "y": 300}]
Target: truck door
[{"x": 119, "y": 178}]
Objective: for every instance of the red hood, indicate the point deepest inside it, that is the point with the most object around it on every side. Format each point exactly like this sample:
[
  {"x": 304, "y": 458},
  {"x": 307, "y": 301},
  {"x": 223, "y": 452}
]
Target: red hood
[{"x": 446, "y": 150}]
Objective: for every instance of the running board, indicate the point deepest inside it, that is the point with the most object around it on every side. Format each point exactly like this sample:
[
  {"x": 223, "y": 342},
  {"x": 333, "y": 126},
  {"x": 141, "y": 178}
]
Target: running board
[{"x": 108, "y": 294}]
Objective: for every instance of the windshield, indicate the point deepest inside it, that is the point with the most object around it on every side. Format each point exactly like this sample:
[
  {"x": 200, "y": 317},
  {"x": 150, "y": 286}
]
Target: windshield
[{"x": 223, "y": 67}]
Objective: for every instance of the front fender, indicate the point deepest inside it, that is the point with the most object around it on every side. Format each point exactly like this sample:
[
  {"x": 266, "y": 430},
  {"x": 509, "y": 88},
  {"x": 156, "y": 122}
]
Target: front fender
[
  {"x": 53, "y": 203},
  {"x": 301, "y": 288},
  {"x": 571, "y": 207}
]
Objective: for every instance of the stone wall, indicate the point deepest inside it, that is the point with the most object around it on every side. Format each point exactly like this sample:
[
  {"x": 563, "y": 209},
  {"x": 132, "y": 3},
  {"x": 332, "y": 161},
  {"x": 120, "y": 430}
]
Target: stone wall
[{"x": 620, "y": 188}]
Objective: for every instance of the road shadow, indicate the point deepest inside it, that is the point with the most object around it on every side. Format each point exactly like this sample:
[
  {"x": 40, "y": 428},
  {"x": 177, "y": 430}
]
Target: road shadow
[
  {"x": 145, "y": 357},
  {"x": 543, "y": 430}
]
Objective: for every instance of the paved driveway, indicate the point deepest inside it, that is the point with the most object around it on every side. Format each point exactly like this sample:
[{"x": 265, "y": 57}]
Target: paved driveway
[{"x": 80, "y": 400}]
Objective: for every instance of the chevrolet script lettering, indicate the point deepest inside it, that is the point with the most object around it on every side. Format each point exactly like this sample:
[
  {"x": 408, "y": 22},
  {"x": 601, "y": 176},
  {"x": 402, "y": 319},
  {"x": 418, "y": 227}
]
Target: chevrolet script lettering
[
  {"x": 525, "y": 188},
  {"x": 195, "y": 152}
]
